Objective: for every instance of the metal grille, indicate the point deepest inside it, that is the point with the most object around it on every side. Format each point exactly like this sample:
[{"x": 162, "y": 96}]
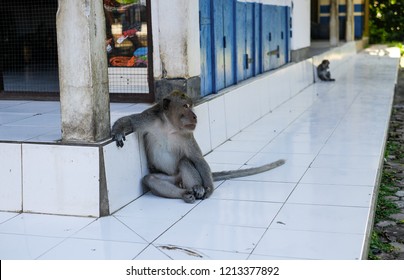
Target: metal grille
[
  {"x": 127, "y": 47},
  {"x": 28, "y": 48}
]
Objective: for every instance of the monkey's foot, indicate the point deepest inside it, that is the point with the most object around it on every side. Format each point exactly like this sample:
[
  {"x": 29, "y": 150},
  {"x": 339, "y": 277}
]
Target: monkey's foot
[
  {"x": 199, "y": 191},
  {"x": 188, "y": 197},
  {"x": 208, "y": 192}
]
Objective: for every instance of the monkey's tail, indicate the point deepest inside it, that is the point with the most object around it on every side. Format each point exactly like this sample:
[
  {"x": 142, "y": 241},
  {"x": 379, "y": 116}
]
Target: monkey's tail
[{"x": 225, "y": 175}]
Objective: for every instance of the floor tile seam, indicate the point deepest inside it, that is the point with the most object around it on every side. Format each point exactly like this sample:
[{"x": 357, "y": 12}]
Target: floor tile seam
[
  {"x": 319, "y": 231},
  {"x": 246, "y": 200},
  {"x": 8, "y": 219},
  {"x": 279, "y": 257},
  {"x": 61, "y": 240},
  {"x": 152, "y": 245},
  {"x": 45, "y": 235},
  {"x": 50, "y": 249},
  {"x": 125, "y": 225},
  {"x": 286, "y": 200},
  {"x": 277, "y": 213},
  {"x": 13, "y": 105},
  {"x": 70, "y": 238},
  {"x": 327, "y": 205},
  {"x": 223, "y": 224},
  {"x": 116, "y": 219},
  {"x": 24, "y": 140},
  {"x": 279, "y": 133},
  {"x": 167, "y": 229},
  {"x": 338, "y": 124},
  {"x": 106, "y": 240},
  {"x": 272, "y": 180},
  {"x": 27, "y": 141},
  {"x": 31, "y": 126}
]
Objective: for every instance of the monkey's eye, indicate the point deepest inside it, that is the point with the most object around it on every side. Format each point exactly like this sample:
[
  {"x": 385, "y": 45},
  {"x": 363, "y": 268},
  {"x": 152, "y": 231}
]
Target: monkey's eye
[{"x": 187, "y": 106}]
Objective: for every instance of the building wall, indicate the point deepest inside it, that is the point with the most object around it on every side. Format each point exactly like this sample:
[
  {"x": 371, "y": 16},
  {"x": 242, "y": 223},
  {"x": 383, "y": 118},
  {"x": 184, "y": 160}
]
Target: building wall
[
  {"x": 300, "y": 24},
  {"x": 175, "y": 29},
  {"x": 176, "y": 35}
]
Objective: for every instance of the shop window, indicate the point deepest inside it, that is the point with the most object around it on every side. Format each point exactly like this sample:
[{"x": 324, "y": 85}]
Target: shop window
[{"x": 127, "y": 46}]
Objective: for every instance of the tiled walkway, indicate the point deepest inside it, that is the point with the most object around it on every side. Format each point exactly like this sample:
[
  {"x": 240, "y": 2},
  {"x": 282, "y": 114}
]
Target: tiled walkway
[{"x": 316, "y": 206}]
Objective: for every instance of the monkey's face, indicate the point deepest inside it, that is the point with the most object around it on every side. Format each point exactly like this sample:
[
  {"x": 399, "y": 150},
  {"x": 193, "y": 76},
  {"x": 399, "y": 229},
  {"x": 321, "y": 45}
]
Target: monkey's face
[
  {"x": 325, "y": 63},
  {"x": 187, "y": 117},
  {"x": 178, "y": 109}
]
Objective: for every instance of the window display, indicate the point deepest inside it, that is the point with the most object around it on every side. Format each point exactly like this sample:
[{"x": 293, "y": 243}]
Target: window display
[{"x": 126, "y": 45}]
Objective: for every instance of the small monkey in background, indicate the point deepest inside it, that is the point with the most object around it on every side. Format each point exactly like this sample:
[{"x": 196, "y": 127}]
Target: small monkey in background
[
  {"x": 323, "y": 72},
  {"x": 175, "y": 161}
]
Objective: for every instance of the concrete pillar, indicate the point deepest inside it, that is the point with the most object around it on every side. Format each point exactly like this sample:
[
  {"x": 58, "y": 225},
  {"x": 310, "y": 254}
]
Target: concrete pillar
[
  {"x": 334, "y": 23},
  {"x": 177, "y": 25},
  {"x": 350, "y": 23},
  {"x": 366, "y": 20},
  {"x": 83, "y": 72}
]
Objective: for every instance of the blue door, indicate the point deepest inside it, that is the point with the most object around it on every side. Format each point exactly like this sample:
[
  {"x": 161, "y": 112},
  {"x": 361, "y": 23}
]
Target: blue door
[
  {"x": 223, "y": 41},
  {"x": 205, "y": 27},
  {"x": 245, "y": 37},
  {"x": 228, "y": 10},
  {"x": 257, "y": 38},
  {"x": 241, "y": 39}
]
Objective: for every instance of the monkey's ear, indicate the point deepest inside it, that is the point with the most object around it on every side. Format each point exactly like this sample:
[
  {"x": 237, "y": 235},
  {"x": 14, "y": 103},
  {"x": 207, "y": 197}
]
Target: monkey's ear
[{"x": 166, "y": 103}]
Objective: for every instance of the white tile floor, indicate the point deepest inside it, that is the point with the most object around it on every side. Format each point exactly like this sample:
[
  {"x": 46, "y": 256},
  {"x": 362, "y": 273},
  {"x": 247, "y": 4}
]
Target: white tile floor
[{"x": 316, "y": 206}]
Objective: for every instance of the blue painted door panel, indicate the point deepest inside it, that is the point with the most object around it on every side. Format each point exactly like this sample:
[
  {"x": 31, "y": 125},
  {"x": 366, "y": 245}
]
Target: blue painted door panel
[
  {"x": 206, "y": 47},
  {"x": 266, "y": 36},
  {"x": 257, "y": 38},
  {"x": 282, "y": 35},
  {"x": 249, "y": 41},
  {"x": 275, "y": 36},
  {"x": 218, "y": 45},
  {"x": 288, "y": 33},
  {"x": 245, "y": 47},
  {"x": 240, "y": 38},
  {"x": 228, "y": 9}
]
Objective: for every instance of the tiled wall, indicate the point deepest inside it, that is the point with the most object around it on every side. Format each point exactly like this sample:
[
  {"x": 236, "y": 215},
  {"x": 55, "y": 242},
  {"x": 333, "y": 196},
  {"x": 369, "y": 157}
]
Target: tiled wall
[{"x": 10, "y": 177}]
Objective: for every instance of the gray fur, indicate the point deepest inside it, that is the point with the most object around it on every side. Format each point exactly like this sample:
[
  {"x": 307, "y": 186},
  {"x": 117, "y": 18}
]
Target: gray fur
[
  {"x": 176, "y": 164},
  {"x": 323, "y": 73}
]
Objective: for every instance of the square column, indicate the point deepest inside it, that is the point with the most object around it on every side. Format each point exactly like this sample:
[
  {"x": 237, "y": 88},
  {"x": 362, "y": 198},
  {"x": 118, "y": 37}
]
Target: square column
[
  {"x": 334, "y": 23},
  {"x": 83, "y": 72},
  {"x": 350, "y": 21}
]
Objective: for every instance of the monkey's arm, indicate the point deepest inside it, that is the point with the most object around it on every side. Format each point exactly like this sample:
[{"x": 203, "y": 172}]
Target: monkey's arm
[
  {"x": 127, "y": 124},
  {"x": 202, "y": 167},
  {"x": 120, "y": 128},
  {"x": 206, "y": 174}
]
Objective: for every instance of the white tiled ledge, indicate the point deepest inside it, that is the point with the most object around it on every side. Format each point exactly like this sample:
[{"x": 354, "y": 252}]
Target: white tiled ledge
[{"x": 96, "y": 180}]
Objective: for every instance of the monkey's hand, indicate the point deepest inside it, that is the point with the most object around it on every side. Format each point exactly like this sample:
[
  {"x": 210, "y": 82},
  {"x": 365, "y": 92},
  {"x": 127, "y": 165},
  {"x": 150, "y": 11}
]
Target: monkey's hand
[{"x": 119, "y": 138}]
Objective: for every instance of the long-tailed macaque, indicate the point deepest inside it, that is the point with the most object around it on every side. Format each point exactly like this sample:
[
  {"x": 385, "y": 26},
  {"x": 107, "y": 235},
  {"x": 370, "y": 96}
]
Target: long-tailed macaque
[
  {"x": 323, "y": 72},
  {"x": 175, "y": 161}
]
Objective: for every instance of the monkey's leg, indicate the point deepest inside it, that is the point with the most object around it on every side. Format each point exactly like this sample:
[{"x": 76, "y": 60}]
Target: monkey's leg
[
  {"x": 191, "y": 179},
  {"x": 166, "y": 186}
]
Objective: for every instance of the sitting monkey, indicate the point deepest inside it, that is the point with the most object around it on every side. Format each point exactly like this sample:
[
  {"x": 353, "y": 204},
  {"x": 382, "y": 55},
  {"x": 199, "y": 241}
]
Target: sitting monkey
[
  {"x": 323, "y": 72},
  {"x": 175, "y": 161}
]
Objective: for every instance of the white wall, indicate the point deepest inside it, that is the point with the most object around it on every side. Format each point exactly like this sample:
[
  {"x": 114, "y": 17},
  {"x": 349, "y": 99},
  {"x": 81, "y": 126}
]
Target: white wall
[
  {"x": 175, "y": 27},
  {"x": 300, "y": 24}
]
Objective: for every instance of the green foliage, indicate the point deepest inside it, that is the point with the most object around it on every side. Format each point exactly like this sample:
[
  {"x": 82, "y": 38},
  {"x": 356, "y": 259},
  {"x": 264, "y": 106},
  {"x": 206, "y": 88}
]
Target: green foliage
[
  {"x": 386, "y": 21},
  {"x": 376, "y": 244},
  {"x": 384, "y": 206}
]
